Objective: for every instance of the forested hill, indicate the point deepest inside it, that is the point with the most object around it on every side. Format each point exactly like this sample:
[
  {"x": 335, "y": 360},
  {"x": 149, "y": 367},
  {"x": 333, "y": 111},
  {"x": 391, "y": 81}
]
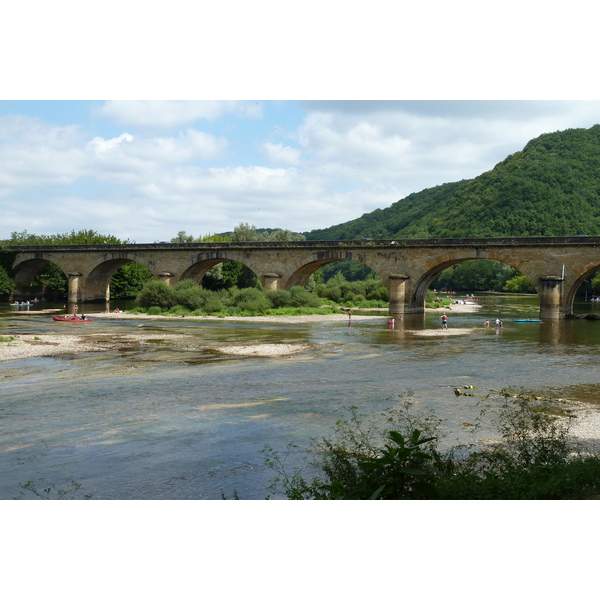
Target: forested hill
[{"x": 550, "y": 188}]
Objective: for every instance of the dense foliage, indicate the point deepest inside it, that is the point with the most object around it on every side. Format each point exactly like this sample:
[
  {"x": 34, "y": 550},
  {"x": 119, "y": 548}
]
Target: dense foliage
[
  {"x": 550, "y": 188},
  {"x": 129, "y": 280},
  {"x": 482, "y": 275},
  {"x": 7, "y": 285},
  {"x": 188, "y": 297}
]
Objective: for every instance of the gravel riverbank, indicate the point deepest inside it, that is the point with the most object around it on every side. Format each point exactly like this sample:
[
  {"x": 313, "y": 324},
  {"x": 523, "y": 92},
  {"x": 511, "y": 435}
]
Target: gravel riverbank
[{"x": 28, "y": 346}]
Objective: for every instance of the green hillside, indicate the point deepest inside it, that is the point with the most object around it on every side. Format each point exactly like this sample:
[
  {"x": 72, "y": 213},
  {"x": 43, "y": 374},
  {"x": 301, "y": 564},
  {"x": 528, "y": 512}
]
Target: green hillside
[{"x": 550, "y": 188}]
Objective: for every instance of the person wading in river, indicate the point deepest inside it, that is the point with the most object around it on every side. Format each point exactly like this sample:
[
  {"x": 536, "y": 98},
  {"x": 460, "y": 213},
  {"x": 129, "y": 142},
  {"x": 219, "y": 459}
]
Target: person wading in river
[{"x": 444, "y": 321}]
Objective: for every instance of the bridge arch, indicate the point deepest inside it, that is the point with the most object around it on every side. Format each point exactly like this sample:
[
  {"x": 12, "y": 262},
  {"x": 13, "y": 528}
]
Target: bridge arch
[
  {"x": 423, "y": 283},
  {"x": 303, "y": 272},
  {"x": 26, "y": 270},
  {"x": 97, "y": 283},
  {"x": 571, "y": 290},
  {"x": 198, "y": 270}
]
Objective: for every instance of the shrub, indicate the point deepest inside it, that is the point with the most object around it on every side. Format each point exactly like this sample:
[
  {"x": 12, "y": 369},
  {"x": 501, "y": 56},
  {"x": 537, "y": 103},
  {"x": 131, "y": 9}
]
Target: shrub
[
  {"x": 300, "y": 296},
  {"x": 395, "y": 455},
  {"x": 519, "y": 284},
  {"x": 157, "y": 293},
  {"x": 279, "y": 298},
  {"x": 179, "y": 309},
  {"x": 251, "y": 299},
  {"x": 375, "y": 289},
  {"x": 212, "y": 302},
  {"x": 331, "y": 292},
  {"x": 191, "y": 297}
]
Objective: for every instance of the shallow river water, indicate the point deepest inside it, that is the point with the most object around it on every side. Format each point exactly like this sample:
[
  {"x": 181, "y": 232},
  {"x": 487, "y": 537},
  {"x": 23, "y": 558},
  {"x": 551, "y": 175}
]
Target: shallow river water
[{"x": 170, "y": 420}]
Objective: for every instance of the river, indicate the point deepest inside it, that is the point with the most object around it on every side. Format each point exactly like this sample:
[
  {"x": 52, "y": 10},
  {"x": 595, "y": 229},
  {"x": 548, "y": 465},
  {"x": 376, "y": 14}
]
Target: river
[{"x": 171, "y": 421}]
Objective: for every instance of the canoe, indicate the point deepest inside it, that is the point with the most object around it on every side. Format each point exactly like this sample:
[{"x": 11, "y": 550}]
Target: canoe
[
  {"x": 527, "y": 320},
  {"x": 72, "y": 320}
]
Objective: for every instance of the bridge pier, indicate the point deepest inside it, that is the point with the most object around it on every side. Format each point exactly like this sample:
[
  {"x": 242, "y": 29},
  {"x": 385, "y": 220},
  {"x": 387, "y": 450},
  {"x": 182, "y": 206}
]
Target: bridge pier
[
  {"x": 551, "y": 298},
  {"x": 271, "y": 281},
  {"x": 397, "y": 290},
  {"x": 168, "y": 278},
  {"x": 74, "y": 294}
]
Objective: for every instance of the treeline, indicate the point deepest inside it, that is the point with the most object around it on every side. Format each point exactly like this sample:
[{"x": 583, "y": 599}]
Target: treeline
[{"x": 550, "y": 188}]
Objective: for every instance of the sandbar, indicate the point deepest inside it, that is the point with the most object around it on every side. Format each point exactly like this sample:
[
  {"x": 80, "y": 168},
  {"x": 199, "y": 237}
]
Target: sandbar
[{"x": 30, "y": 346}]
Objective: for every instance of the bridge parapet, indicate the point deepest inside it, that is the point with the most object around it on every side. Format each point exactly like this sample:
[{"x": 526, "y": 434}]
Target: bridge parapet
[{"x": 365, "y": 244}]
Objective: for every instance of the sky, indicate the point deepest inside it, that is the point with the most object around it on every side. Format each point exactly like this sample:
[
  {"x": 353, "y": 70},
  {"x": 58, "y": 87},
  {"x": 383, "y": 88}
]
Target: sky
[
  {"x": 298, "y": 116},
  {"x": 146, "y": 170}
]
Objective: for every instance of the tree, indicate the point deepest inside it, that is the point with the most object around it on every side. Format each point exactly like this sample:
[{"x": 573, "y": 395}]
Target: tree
[
  {"x": 285, "y": 235},
  {"x": 84, "y": 236},
  {"x": 182, "y": 238},
  {"x": 51, "y": 282},
  {"x": 245, "y": 233},
  {"x": 156, "y": 293},
  {"x": 129, "y": 280},
  {"x": 7, "y": 285},
  {"x": 519, "y": 284}
]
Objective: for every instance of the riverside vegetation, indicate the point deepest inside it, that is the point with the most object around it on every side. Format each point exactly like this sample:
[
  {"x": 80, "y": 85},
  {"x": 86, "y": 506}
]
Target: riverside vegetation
[
  {"x": 189, "y": 298},
  {"x": 396, "y": 455}
]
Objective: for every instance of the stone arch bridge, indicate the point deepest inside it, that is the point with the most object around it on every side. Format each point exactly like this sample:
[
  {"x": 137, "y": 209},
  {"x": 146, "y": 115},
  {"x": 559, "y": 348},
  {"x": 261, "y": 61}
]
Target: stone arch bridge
[{"x": 556, "y": 266}]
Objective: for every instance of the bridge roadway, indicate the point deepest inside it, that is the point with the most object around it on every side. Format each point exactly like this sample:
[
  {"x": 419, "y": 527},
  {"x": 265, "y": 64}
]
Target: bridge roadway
[{"x": 555, "y": 265}]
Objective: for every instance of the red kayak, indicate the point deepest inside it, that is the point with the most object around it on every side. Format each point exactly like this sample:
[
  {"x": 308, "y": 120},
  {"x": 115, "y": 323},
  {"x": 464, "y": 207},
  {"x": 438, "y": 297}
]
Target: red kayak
[{"x": 72, "y": 320}]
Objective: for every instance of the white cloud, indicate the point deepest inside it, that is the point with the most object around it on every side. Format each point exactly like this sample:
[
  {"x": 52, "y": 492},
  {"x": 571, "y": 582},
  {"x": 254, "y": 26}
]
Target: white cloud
[
  {"x": 101, "y": 146},
  {"x": 280, "y": 154},
  {"x": 168, "y": 114}
]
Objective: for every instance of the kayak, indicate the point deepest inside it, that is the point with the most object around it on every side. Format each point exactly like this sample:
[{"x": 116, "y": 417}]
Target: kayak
[
  {"x": 72, "y": 320},
  {"x": 527, "y": 320}
]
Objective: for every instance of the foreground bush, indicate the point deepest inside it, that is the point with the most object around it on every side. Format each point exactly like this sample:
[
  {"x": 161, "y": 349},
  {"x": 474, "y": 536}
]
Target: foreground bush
[{"x": 396, "y": 455}]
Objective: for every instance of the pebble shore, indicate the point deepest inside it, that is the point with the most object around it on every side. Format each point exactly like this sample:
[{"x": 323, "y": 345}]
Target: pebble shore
[{"x": 29, "y": 346}]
